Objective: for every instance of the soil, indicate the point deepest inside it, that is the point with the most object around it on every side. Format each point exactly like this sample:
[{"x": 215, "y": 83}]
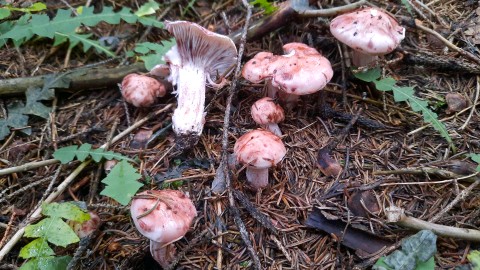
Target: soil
[{"x": 389, "y": 157}]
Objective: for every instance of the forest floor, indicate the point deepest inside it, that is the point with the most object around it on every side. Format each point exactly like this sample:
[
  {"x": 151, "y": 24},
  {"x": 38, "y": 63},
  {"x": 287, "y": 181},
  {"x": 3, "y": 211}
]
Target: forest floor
[{"x": 395, "y": 159}]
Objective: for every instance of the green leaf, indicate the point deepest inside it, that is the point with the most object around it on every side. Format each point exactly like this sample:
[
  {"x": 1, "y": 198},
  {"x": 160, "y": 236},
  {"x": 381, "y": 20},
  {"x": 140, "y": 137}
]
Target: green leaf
[
  {"x": 68, "y": 153},
  {"x": 474, "y": 258},
  {"x": 153, "y": 52},
  {"x": 66, "y": 210},
  {"x": 369, "y": 75},
  {"x": 4, "y": 13},
  {"x": 385, "y": 84},
  {"x": 122, "y": 183},
  {"x": 476, "y": 158},
  {"x": 381, "y": 265},
  {"x": 37, "y": 248},
  {"x": 47, "y": 263},
  {"x": 39, "y": 6},
  {"x": 148, "y": 8},
  {"x": 268, "y": 7},
  {"x": 54, "y": 230},
  {"x": 417, "y": 251}
]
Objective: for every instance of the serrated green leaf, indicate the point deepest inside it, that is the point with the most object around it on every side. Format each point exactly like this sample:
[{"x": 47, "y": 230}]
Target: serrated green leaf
[
  {"x": 47, "y": 263},
  {"x": 474, "y": 258},
  {"x": 54, "y": 230},
  {"x": 4, "y": 13},
  {"x": 4, "y": 130},
  {"x": 428, "y": 265},
  {"x": 385, "y": 84},
  {"x": 39, "y": 6},
  {"x": 369, "y": 75},
  {"x": 66, "y": 210},
  {"x": 84, "y": 151},
  {"x": 150, "y": 21},
  {"x": 65, "y": 154},
  {"x": 402, "y": 93},
  {"x": 381, "y": 265},
  {"x": 153, "y": 52},
  {"x": 37, "y": 248},
  {"x": 87, "y": 43},
  {"x": 147, "y": 9},
  {"x": 121, "y": 183},
  {"x": 68, "y": 153}
]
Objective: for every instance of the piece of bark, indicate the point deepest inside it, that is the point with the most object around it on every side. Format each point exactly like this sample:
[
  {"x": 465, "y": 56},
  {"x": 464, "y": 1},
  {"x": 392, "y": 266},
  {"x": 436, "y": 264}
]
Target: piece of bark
[
  {"x": 364, "y": 243},
  {"x": 81, "y": 79}
]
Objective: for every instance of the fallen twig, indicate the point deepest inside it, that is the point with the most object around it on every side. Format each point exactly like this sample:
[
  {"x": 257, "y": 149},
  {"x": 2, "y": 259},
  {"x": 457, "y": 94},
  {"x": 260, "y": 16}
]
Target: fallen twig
[{"x": 397, "y": 215}]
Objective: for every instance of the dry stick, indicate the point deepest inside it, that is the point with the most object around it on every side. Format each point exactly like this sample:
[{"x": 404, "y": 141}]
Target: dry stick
[
  {"x": 223, "y": 168},
  {"x": 61, "y": 188},
  {"x": 81, "y": 79},
  {"x": 447, "y": 42},
  {"x": 397, "y": 215}
]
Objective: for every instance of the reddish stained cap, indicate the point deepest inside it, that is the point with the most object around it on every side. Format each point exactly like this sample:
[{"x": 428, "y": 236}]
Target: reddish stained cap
[
  {"x": 259, "y": 148},
  {"x": 267, "y": 111},
  {"x": 171, "y": 218},
  {"x": 301, "y": 71},
  {"x": 368, "y": 30}
]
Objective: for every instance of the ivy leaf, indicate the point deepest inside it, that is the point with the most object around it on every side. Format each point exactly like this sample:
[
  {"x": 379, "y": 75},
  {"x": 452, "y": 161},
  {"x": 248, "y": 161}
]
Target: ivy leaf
[
  {"x": 369, "y": 75},
  {"x": 54, "y": 230},
  {"x": 37, "y": 248},
  {"x": 47, "y": 263},
  {"x": 66, "y": 210},
  {"x": 121, "y": 183}
]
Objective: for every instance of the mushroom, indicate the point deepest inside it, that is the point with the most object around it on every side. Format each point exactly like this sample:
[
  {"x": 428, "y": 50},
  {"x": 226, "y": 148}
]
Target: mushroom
[
  {"x": 200, "y": 56},
  {"x": 259, "y": 150},
  {"x": 141, "y": 91},
  {"x": 163, "y": 216},
  {"x": 301, "y": 71},
  {"x": 369, "y": 32},
  {"x": 267, "y": 113},
  {"x": 88, "y": 227}
]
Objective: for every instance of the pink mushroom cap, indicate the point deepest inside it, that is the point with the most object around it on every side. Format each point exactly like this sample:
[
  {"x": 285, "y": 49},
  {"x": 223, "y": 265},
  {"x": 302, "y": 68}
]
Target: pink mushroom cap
[
  {"x": 368, "y": 30},
  {"x": 266, "y": 111},
  {"x": 172, "y": 215},
  {"x": 141, "y": 90},
  {"x": 260, "y": 149},
  {"x": 301, "y": 71}
]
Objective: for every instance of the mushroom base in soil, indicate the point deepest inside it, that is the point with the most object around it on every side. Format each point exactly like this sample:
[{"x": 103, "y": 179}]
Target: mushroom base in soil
[{"x": 257, "y": 178}]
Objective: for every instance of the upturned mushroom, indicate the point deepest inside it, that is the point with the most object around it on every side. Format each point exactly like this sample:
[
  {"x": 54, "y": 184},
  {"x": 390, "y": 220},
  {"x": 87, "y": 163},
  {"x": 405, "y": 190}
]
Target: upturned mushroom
[
  {"x": 141, "y": 91},
  {"x": 199, "y": 57},
  {"x": 259, "y": 150},
  {"x": 301, "y": 71},
  {"x": 267, "y": 113},
  {"x": 163, "y": 216},
  {"x": 369, "y": 32}
]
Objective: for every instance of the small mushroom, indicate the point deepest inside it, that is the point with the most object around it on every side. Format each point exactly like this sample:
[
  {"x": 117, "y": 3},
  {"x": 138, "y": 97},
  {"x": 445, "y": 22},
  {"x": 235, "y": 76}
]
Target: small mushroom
[
  {"x": 267, "y": 113},
  {"x": 301, "y": 71},
  {"x": 259, "y": 150},
  {"x": 142, "y": 91},
  {"x": 369, "y": 32},
  {"x": 456, "y": 102},
  {"x": 88, "y": 227},
  {"x": 163, "y": 216},
  {"x": 198, "y": 58}
]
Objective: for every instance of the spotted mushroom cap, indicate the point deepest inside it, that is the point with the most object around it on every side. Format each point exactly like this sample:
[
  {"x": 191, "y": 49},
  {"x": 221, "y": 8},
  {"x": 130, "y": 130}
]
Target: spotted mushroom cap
[
  {"x": 200, "y": 47},
  {"x": 170, "y": 219},
  {"x": 266, "y": 111},
  {"x": 260, "y": 149},
  {"x": 301, "y": 71},
  {"x": 368, "y": 30}
]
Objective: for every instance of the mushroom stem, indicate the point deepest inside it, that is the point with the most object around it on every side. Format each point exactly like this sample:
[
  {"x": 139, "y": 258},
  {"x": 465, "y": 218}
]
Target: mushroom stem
[
  {"x": 274, "y": 128},
  {"x": 272, "y": 91},
  {"x": 162, "y": 253},
  {"x": 188, "y": 117},
  {"x": 288, "y": 101},
  {"x": 257, "y": 178},
  {"x": 361, "y": 59}
]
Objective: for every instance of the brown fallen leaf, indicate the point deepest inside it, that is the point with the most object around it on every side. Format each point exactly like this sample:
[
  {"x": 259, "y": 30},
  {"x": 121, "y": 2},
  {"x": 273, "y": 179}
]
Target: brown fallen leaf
[{"x": 361, "y": 203}]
